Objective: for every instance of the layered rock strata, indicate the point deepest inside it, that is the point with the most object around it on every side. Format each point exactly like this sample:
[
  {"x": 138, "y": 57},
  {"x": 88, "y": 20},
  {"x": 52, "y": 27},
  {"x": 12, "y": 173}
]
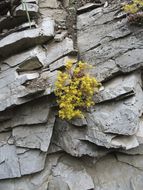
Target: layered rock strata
[{"x": 38, "y": 150}]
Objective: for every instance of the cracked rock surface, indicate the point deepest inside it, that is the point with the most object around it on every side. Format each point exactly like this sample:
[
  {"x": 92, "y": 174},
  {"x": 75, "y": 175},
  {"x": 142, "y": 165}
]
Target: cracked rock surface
[{"x": 38, "y": 150}]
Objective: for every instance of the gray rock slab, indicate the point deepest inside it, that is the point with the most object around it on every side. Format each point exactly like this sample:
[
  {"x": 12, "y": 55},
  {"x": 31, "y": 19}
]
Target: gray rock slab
[
  {"x": 97, "y": 120},
  {"x": 78, "y": 122},
  {"x": 49, "y": 4},
  {"x": 68, "y": 138},
  {"x": 133, "y": 160},
  {"x": 30, "y": 7},
  {"x": 58, "y": 183},
  {"x": 88, "y": 7},
  {"x": 19, "y": 28},
  {"x": 61, "y": 62},
  {"x": 136, "y": 182},
  {"x": 53, "y": 148},
  {"x": 30, "y": 65},
  {"x": 7, "y": 77},
  {"x": 110, "y": 174},
  {"x": 97, "y": 28},
  {"x": 4, "y": 137},
  {"x": 59, "y": 37},
  {"x": 13, "y": 89},
  {"x": 139, "y": 133},
  {"x": 134, "y": 151},
  {"x": 121, "y": 117},
  {"x": 35, "y": 137},
  {"x": 130, "y": 60},
  {"x": 105, "y": 70},
  {"x": 112, "y": 49},
  {"x": 139, "y": 136},
  {"x": 118, "y": 88},
  {"x": 4, "y": 116},
  {"x": 56, "y": 51},
  {"x": 69, "y": 170},
  {"x": 121, "y": 120},
  {"x": 31, "y": 113},
  {"x": 9, "y": 165},
  {"x": 8, "y": 22},
  {"x": 31, "y": 161},
  {"x": 51, "y": 77},
  {"x": 23, "y": 78},
  {"x": 125, "y": 142},
  {"x": 37, "y": 181},
  {"x": 106, "y": 40},
  {"x": 14, "y": 165},
  {"x": 57, "y": 14},
  {"x": 28, "y": 114},
  {"x": 17, "y": 89},
  {"x": 106, "y": 174},
  {"x": 19, "y": 41},
  {"x": 28, "y": 60},
  {"x": 97, "y": 16}
]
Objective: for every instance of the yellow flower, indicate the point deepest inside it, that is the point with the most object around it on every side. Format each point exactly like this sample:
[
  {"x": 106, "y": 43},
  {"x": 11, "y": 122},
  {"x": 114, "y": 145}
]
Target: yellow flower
[
  {"x": 134, "y": 7},
  {"x": 69, "y": 64},
  {"x": 74, "y": 90}
]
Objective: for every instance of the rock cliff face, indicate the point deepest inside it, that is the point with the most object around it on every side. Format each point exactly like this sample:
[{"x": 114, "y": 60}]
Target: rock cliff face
[{"x": 39, "y": 151}]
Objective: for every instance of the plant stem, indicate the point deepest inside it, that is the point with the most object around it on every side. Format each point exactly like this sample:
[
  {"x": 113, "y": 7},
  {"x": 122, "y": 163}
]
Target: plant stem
[{"x": 27, "y": 13}]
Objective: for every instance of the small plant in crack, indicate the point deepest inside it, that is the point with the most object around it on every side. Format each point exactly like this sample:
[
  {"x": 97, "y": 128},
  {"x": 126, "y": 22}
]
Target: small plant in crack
[
  {"x": 75, "y": 88},
  {"x": 134, "y": 10}
]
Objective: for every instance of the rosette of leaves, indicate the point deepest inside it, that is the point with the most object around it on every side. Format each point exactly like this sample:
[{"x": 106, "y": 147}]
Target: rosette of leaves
[
  {"x": 134, "y": 10},
  {"x": 74, "y": 89}
]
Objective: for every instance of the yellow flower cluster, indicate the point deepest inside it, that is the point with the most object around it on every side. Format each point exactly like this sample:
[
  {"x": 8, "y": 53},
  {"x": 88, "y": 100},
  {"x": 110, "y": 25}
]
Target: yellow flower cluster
[
  {"x": 134, "y": 7},
  {"x": 75, "y": 89}
]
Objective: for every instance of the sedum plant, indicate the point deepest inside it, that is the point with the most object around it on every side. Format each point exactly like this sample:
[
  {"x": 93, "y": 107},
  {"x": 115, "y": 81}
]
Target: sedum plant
[
  {"x": 134, "y": 9},
  {"x": 74, "y": 89}
]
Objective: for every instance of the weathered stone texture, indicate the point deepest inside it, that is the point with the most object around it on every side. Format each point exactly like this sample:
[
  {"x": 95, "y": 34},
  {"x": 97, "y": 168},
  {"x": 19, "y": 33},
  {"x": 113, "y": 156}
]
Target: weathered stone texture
[
  {"x": 38, "y": 150},
  {"x": 19, "y": 41}
]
